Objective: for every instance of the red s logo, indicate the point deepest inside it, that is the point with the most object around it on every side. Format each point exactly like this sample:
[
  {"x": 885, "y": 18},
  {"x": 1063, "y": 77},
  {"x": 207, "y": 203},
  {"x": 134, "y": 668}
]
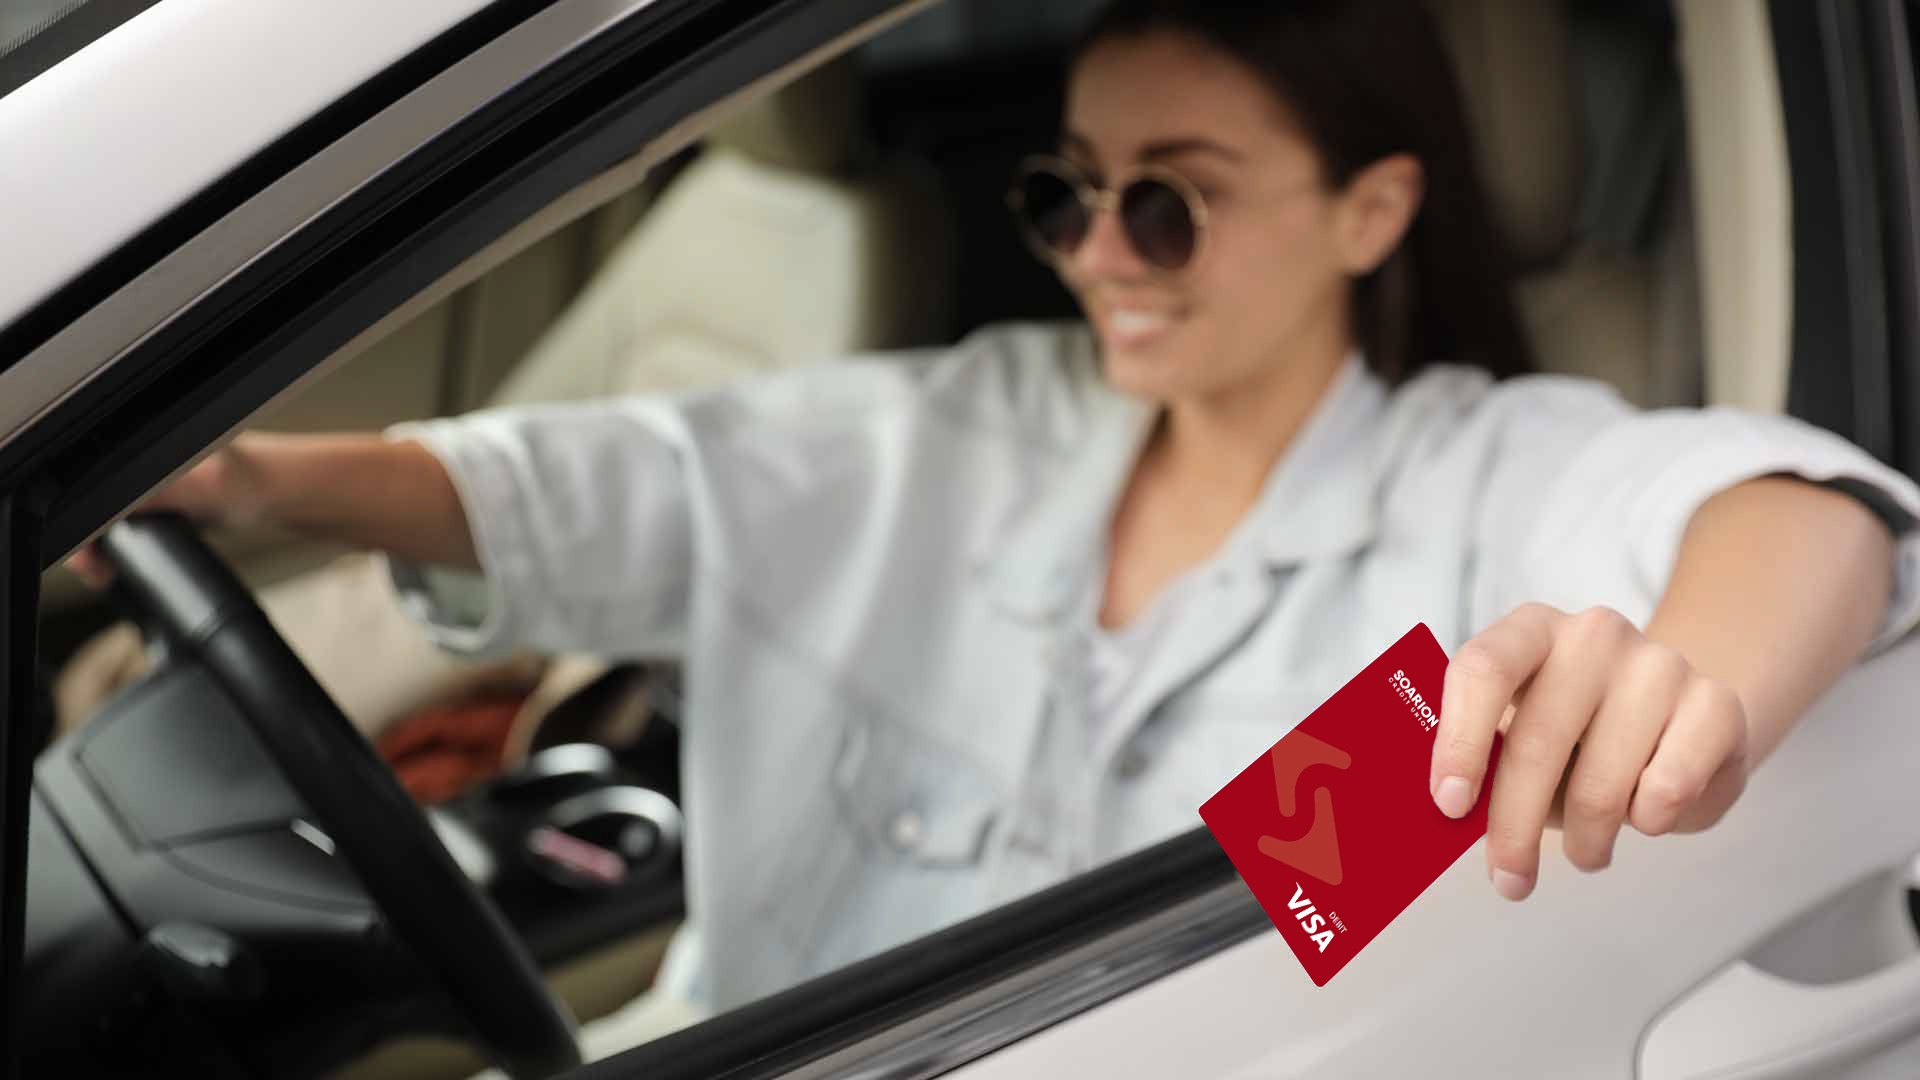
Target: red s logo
[{"x": 1318, "y": 852}]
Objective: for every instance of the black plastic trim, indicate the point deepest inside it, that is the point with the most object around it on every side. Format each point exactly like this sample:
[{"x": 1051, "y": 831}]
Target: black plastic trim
[
  {"x": 1896, "y": 127},
  {"x": 1839, "y": 315},
  {"x": 804, "y": 1023},
  {"x": 19, "y": 604},
  {"x": 1847, "y": 91},
  {"x": 89, "y": 288},
  {"x": 31, "y": 56}
]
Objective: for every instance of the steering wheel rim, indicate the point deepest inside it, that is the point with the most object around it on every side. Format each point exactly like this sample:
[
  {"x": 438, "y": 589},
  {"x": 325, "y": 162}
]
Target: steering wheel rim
[{"x": 185, "y": 591}]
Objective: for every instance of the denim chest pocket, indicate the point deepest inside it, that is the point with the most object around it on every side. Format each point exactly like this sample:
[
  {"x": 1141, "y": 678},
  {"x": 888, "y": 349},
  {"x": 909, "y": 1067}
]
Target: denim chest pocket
[
  {"x": 910, "y": 799},
  {"x": 893, "y": 847}
]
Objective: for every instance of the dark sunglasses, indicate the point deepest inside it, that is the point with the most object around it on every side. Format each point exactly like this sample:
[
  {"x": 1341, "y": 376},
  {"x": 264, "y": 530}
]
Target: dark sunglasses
[{"x": 1055, "y": 203}]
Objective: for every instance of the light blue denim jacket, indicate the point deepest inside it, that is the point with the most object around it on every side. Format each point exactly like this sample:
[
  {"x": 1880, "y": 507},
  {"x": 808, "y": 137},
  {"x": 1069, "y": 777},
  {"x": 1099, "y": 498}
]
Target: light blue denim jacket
[{"x": 876, "y": 573}]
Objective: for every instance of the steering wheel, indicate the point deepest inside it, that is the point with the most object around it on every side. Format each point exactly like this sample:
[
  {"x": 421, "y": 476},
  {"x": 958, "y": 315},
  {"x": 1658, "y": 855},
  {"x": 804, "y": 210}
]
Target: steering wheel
[{"x": 181, "y": 589}]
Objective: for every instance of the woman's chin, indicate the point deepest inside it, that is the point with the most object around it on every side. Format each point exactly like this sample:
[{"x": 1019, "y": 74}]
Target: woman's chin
[{"x": 1143, "y": 372}]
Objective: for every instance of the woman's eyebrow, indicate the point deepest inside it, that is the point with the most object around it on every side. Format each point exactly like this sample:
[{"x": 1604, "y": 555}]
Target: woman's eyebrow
[
  {"x": 1166, "y": 148},
  {"x": 1079, "y": 144},
  {"x": 1159, "y": 149}
]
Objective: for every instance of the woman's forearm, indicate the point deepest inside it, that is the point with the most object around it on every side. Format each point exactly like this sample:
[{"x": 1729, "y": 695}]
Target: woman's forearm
[
  {"x": 360, "y": 490},
  {"x": 1778, "y": 588}
]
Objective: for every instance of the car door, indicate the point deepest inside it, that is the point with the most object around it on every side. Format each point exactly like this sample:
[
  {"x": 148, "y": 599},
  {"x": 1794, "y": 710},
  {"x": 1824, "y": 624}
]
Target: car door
[{"x": 1155, "y": 965}]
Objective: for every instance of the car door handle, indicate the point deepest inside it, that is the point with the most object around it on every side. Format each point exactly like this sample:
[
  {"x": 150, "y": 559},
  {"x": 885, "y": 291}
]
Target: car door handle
[{"x": 1754, "y": 1021}]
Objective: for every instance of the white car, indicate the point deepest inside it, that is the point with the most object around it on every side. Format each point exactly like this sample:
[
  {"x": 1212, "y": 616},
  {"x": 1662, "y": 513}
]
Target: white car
[{"x": 236, "y": 212}]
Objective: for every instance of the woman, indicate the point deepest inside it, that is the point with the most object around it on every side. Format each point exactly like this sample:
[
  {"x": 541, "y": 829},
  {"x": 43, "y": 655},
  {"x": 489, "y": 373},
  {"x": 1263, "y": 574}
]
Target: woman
[{"x": 959, "y": 625}]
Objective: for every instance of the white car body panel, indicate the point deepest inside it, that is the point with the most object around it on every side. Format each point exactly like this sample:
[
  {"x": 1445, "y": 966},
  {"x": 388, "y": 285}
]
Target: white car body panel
[
  {"x": 1578, "y": 980},
  {"x": 159, "y": 108},
  {"x": 160, "y": 104}
]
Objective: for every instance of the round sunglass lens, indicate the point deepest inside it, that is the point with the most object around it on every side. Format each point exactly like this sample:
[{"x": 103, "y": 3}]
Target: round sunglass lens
[
  {"x": 1159, "y": 222},
  {"x": 1053, "y": 211}
]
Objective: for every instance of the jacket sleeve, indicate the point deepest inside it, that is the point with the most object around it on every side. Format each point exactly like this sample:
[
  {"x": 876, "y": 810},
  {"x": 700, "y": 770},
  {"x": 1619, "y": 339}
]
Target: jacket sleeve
[
  {"x": 1589, "y": 500},
  {"x": 596, "y": 521},
  {"x": 579, "y": 514}
]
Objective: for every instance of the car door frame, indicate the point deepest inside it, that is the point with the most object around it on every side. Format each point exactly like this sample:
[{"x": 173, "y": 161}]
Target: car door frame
[{"x": 1847, "y": 89}]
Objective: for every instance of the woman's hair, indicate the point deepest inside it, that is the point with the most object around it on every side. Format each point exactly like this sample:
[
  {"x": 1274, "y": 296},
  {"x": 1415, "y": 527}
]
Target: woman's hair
[{"x": 1366, "y": 79}]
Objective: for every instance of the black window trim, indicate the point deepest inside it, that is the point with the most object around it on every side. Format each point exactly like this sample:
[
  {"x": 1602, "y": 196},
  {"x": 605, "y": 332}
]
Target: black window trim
[
  {"x": 961, "y": 993},
  {"x": 20, "y": 520},
  {"x": 1896, "y": 137},
  {"x": 1853, "y": 141}
]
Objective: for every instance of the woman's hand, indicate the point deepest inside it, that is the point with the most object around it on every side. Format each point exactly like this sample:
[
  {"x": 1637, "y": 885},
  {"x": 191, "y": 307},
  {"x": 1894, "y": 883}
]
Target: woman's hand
[
  {"x": 226, "y": 488},
  {"x": 1603, "y": 728}
]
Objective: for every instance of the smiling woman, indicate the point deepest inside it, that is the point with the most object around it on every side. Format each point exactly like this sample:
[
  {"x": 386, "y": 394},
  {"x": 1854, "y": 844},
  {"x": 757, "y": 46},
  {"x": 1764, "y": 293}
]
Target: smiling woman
[
  {"x": 962, "y": 624},
  {"x": 1257, "y": 139},
  {"x": 1262, "y": 440}
]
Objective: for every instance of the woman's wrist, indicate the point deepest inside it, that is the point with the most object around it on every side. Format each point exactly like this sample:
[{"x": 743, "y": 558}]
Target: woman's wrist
[
  {"x": 360, "y": 489},
  {"x": 251, "y": 476}
]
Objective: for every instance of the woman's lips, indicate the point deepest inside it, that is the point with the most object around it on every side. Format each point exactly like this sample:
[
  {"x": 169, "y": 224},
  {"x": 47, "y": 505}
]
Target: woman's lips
[{"x": 1132, "y": 328}]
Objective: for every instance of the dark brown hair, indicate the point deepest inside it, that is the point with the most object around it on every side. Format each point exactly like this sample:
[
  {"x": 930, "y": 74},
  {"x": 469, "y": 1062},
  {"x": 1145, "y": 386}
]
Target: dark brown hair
[{"x": 1366, "y": 79}]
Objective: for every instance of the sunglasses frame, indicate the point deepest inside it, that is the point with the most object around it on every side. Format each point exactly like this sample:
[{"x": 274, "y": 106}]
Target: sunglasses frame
[{"x": 1096, "y": 199}]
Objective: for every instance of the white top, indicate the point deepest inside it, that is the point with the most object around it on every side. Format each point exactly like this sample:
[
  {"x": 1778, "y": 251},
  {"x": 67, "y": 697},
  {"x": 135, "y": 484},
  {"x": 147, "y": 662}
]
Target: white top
[
  {"x": 870, "y": 570},
  {"x": 1117, "y": 659}
]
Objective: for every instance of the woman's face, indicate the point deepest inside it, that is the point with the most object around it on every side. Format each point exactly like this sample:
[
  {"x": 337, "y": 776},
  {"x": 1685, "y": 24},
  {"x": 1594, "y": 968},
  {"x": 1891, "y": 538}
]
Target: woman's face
[{"x": 1267, "y": 285}]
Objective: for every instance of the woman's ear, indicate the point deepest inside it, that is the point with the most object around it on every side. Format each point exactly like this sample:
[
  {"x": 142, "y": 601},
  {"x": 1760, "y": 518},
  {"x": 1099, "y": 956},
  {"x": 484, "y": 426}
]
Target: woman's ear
[{"x": 1376, "y": 209}]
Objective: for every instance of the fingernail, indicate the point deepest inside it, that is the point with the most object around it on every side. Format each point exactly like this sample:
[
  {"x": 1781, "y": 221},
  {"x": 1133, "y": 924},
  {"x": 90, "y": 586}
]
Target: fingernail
[
  {"x": 1511, "y": 885},
  {"x": 1454, "y": 797}
]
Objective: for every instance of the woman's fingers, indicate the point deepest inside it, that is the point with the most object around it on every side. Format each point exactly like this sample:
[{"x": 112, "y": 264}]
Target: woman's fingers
[
  {"x": 213, "y": 491},
  {"x": 1700, "y": 766},
  {"x": 1625, "y": 732},
  {"x": 91, "y": 567},
  {"x": 1483, "y": 678},
  {"x": 1603, "y": 728},
  {"x": 1553, "y": 715}
]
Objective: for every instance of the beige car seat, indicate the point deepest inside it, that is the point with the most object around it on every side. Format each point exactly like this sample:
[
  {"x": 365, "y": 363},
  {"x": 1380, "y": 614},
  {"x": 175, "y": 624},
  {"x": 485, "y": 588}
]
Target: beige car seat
[
  {"x": 1592, "y": 308},
  {"x": 783, "y": 242}
]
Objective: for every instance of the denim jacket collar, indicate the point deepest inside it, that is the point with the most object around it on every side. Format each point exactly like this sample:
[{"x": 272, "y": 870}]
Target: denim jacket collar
[{"x": 1318, "y": 501}]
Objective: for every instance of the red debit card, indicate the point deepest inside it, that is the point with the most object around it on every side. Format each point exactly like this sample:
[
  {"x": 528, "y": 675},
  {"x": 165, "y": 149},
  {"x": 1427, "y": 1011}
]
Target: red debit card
[{"x": 1334, "y": 828}]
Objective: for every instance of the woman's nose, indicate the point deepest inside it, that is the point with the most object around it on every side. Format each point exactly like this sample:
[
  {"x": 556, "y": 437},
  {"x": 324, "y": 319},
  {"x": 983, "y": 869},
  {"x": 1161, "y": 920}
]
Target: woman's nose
[{"x": 1106, "y": 252}]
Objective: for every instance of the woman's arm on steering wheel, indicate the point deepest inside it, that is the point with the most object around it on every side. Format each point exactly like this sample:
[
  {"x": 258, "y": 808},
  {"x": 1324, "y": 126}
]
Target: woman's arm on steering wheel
[{"x": 363, "y": 490}]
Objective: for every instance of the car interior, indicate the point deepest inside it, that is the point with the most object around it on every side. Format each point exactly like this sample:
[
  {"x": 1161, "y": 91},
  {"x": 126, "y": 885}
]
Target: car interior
[{"x": 1637, "y": 161}]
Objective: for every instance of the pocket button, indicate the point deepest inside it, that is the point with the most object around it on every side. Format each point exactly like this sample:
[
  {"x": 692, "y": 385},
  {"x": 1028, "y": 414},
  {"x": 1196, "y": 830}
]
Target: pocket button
[{"x": 908, "y": 830}]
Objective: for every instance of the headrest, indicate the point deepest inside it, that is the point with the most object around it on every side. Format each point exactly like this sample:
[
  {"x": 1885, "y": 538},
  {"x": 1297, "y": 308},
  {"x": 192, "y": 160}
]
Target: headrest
[
  {"x": 814, "y": 124},
  {"x": 1514, "y": 64}
]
